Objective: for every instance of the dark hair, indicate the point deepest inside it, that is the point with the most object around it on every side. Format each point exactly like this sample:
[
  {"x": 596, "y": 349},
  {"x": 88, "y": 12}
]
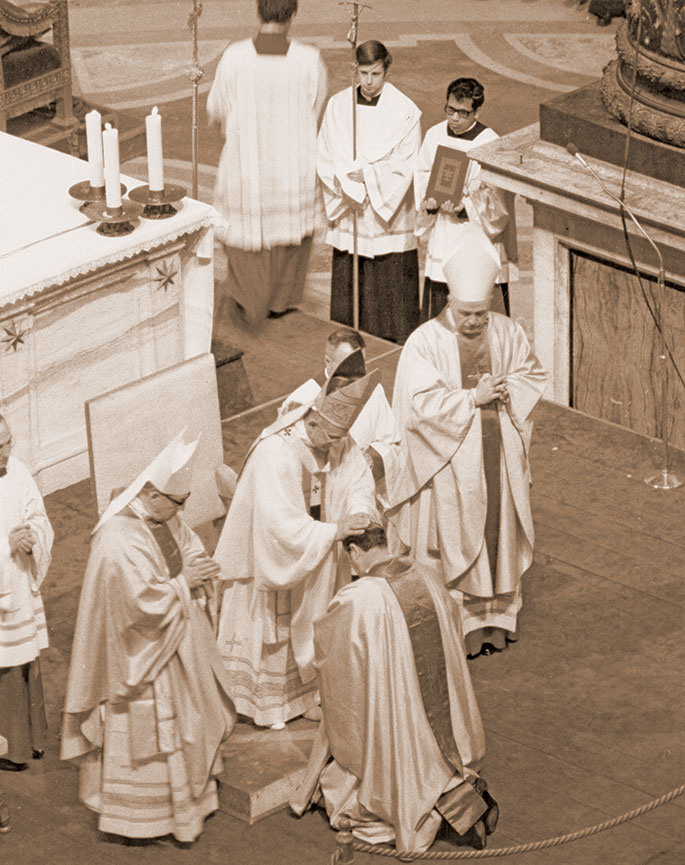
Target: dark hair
[
  {"x": 467, "y": 88},
  {"x": 348, "y": 336},
  {"x": 278, "y": 11},
  {"x": 373, "y": 537},
  {"x": 371, "y": 52}
]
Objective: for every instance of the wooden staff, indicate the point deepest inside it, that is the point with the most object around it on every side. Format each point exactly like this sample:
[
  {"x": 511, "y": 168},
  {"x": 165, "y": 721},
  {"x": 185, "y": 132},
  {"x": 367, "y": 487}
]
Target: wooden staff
[
  {"x": 195, "y": 73},
  {"x": 355, "y": 10}
]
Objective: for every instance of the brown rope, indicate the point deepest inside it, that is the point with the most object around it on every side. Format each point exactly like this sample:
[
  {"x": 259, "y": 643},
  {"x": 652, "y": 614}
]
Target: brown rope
[{"x": 382, "y": 850}]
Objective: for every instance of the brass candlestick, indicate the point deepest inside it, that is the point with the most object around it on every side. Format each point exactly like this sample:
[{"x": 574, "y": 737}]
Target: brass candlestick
[
  {"x": 83, "y": 191},
  {"x": 114, "y": 221},
  {"x": 158, "y": 204}
]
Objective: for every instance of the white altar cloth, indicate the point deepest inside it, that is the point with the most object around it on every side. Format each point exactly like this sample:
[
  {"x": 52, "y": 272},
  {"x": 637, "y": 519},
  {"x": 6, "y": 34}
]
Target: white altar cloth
[{"x": 91, "y": 312}]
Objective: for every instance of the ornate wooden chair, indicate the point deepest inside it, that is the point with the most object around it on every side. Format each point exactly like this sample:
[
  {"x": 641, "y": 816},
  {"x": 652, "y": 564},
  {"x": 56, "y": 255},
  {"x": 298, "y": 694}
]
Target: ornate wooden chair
[{"x": 34, "y": 73}]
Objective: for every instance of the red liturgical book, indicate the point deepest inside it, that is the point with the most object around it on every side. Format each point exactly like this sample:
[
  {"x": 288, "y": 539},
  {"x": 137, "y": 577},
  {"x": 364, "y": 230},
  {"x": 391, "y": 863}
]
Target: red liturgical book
[{"x": 448, "y": 174}]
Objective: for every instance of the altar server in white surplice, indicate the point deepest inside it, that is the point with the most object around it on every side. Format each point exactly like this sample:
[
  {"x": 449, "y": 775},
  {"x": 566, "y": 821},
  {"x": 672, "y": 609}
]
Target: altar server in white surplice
[
  {"x": 304, "y": 487},
  {"x": 25, "y": 547},
  {"x": 377, "y": 185},
  {"x": 466, "y": 385},
  {"x": 481, "y": 205},
  {"x": 267, "y": 94},
  {"x": 147, "y": 705},
  {"x": 400, "y": 719}
]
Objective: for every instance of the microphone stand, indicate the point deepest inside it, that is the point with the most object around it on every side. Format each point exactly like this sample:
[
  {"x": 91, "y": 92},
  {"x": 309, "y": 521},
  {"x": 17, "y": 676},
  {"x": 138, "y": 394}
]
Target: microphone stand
[{"x": 664, "y": 479}]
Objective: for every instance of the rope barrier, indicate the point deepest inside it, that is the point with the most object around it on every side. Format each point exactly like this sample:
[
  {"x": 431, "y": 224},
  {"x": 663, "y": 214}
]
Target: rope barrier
[{"x": 347, "y": 843}]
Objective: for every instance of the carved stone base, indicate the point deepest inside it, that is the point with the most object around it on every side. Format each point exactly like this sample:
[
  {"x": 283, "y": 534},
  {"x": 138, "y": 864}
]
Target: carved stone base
[
  {"x": 654, "y": 81},
  {"x": 581, "y": 117},
  {"x": 648, "y": 119}
]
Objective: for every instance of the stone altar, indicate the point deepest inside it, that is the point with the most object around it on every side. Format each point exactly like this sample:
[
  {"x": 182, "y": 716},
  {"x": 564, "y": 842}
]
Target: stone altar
[{"x": 81, "y": 314}]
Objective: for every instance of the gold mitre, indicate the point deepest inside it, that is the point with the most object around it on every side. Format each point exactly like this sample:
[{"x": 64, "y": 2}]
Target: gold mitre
[
  {"x": 341, "y": 407},
  {"x": 472, "y": 268}
]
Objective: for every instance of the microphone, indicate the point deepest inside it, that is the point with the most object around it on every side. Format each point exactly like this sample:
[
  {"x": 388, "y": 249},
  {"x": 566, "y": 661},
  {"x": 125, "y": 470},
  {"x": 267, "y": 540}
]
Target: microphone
[{"x": 573, "y": 150}]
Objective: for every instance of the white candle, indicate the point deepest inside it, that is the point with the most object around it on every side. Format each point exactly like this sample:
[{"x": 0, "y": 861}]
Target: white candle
[
  {"x": 110, "y": 146},
  {"x": 94, "y": 141},
  {"x": 155, "y": 162}
]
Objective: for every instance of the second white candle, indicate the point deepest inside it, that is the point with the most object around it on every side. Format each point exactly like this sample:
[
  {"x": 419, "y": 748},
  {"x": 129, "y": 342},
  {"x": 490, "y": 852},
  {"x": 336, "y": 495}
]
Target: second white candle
[
  {"x": 155, "y": 160},
  {"x": 110, "y": 146}
]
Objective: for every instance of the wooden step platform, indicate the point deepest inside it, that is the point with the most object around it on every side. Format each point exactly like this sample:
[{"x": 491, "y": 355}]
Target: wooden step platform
[{"x": 262, "y": 768}]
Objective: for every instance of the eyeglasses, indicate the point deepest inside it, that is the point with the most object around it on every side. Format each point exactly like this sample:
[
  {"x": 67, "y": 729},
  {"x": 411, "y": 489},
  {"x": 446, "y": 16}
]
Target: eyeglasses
[
  {"x": 461, "y": 112},
  {"x": 179, "y": 501}
]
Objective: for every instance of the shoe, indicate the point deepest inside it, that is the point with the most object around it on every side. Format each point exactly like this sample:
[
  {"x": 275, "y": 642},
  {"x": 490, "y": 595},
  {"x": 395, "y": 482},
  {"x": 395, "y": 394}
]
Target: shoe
[
  {"x": 38, "y": 753},
  {"x": 279, "y": 314},
  {"x": 491, "y": 816},
  {"x": 476, "y": 837},
  {"x": 8, "y": 766}
]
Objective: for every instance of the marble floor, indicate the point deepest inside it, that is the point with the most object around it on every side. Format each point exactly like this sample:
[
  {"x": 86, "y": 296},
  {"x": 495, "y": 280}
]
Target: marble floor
[{"x": 133, "y": 55}]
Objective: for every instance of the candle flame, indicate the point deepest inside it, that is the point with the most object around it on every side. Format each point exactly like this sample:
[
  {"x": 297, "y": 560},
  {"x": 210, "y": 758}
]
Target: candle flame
[
  {"x": 108, "y": 125},
  {"x": 155, "y": 110}
]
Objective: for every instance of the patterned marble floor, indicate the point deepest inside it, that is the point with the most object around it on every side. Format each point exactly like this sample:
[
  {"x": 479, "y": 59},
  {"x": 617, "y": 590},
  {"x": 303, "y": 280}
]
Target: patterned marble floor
[{"x": 131, "y": 56}]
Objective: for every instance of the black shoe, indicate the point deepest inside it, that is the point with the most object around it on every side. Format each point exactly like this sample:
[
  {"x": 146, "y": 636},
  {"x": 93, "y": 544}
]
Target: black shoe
[
  {"x": 9, "y": 766},
  {"x": 491, "y": 816},
  {"x": 476, "y": 837},
  {"x": 274, "y": 314},
  {"x": 38, "y": 753}
]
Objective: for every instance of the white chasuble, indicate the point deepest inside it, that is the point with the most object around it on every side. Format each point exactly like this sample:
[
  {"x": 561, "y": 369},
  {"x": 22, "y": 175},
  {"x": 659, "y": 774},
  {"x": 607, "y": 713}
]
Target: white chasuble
[
  {"x": 271, "y": 544},
  {"x": 436, "y": 483}
]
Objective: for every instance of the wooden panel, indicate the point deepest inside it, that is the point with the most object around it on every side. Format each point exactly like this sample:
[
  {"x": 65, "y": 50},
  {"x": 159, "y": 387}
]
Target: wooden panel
[
  {"x": 150, "y": 412},
  {"x": 617, "y": 360}
]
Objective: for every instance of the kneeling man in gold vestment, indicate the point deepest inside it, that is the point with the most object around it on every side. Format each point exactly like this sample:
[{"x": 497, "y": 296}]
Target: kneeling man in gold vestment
[{"x": 400, "y": 719}]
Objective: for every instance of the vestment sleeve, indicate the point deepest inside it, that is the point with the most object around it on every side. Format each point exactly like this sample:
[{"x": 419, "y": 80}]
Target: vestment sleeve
[
  {"x": 388, "y": 179},
  {"x": 34, "y": 514},
  {"x": 333, "y": 199}
]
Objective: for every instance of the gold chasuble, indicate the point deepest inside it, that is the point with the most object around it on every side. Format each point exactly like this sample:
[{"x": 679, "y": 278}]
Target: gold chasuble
[{"x": 400, "y": 719}]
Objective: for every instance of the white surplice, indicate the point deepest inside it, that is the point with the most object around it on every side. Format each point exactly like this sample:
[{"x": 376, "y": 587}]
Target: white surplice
[
  {"x": 436, "y": 479},
  {"x": 23, "y": 631},
  {"x": 484, "y": 205},
  {"x": 388, "y": 140},
  {"x": 388, "y": 770},
  {"x": 268, "y": 106},
  {"x": 282, "y": 566}
]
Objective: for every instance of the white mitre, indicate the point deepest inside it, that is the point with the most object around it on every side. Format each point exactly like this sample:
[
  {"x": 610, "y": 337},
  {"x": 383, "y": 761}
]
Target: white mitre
[
  {"x": 472, "y": 268},
  {"x": 169, "y": 472}
]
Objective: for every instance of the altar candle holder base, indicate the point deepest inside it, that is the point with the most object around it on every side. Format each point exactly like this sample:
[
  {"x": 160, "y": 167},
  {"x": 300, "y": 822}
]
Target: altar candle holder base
[
  {"x": 88, "y": 194},
  {"x": 114, "y": 221},
  {"x": 663, "y": 480},
  {"x": 158, "y": 204}
]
